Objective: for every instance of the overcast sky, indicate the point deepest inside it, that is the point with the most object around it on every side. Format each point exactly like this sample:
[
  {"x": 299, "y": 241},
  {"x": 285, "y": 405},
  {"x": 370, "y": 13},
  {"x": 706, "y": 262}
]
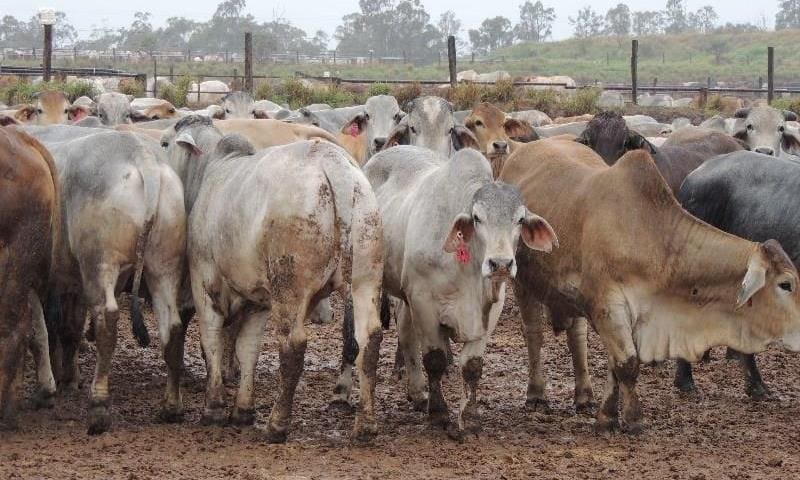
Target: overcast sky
[{"x": 313, "y": 15}]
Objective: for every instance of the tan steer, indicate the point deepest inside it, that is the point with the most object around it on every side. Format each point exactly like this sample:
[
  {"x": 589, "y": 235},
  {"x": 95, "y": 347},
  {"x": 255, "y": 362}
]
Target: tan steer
[{"x": 656, "y": 282}]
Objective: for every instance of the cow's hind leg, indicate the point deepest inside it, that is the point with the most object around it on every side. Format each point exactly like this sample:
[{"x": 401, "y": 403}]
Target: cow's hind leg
[
  {"x": 105, "y": 314},
  {"x": 289, "y": 316},
  {"x": 248, "y": 347},
  {"x": 369, "y": 336},
  {"x": 684, "y": 380},
  {"x": 409, "y": 348},
  {"x": 210, "y": 323},
  {"x": 577, "y": 342},
  {"x": 164, "y": 292},
  {"x": 754, "y": 384},
  {"x": 344, "y": 384},
  {"x": 70, "y": 334},
  {"x": 15, "y": 322},
  {"x": 39, "y": 345}
]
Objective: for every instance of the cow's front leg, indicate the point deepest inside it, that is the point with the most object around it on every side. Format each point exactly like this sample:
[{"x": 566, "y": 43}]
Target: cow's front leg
[
  {"x": 293, "y": 342},
  {"x": 754, "y": 384},
  {"x": 344, "y": 384},
  {"x": 471, "y": 363},
  {"x": 409, "y": 350},
  {"x": 533, "y": 319},
  {"x": 39, "y": 345},
  {"x": 608, "y": 414},
  {"x": 577, "y": 342}
]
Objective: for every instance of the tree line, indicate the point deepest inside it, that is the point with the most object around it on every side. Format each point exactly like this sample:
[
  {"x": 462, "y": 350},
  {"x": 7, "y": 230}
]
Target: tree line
[{"x": 382, "y": 28}]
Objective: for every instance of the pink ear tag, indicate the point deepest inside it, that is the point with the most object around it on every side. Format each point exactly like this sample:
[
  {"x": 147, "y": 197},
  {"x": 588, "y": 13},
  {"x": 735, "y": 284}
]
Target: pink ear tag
[
  {"x": 353, "y": 130},
  {"x": 462, "y": 252}
]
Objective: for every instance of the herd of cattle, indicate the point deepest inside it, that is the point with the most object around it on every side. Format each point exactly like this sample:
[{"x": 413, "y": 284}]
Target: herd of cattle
[{"x": 666, "y": 239}]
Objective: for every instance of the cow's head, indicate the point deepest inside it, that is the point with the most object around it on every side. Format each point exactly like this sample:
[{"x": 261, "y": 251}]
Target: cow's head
[
  {"x": 383, "y": 115},
  {"x": 768, "y": 299},
  {"x": 496, "y": 132},
  {"x": 50, "y": 108},
  {"x": 764, "y": 130},
  {"x": 161, "y": 111},
  {"x": 609, "y": 136},
  {"x": 239, "y": 105},
  {"x": 430, "y": 124},
  {"x": 492, "y": 227},
  {"x": 115, "y": 109}
]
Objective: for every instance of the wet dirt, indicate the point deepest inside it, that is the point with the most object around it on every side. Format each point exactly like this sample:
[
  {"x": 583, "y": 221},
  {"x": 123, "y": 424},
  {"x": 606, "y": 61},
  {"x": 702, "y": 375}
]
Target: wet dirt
[{"x": 716, "y": 433}]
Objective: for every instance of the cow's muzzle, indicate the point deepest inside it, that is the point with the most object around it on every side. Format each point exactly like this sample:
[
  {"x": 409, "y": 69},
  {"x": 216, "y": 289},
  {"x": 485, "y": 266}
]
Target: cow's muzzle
[{"x": 500, "y": 267}]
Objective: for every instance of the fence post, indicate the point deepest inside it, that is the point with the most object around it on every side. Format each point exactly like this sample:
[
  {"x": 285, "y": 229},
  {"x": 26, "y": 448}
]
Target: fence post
[
  {"x": 297, "y": 56},
  {"x": 451, "y": 59},
  {"x": 199, "y": 81},
  {"x": 655, "y": 81},
  {"x": 703, "y": 97},
  {"x": 634, "y": 64},
  {"x": 248, "y": 62},
  {"x": 770, "y": 74},
  {"x": 33, "y": 50},
  {"x": 473, "y": 57},
  {"x": 155, "y": 77},
  {"x": 48, "y": 51},
  {"x": 172, "y": 73},
  {"x": 74, "y": 54},
  {"x": 113, "y": 56},
  {"x": 608, "y": 59},
  {"x": 334, "y": 57}
]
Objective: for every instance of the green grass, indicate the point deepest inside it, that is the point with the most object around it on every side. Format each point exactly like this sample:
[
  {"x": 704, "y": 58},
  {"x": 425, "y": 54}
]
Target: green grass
[{"x": 20, "y": 91}]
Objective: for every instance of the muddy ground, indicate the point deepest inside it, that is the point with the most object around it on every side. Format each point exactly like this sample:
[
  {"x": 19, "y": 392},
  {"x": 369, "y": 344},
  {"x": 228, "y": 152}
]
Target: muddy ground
[{"x": 717, "y": 433}]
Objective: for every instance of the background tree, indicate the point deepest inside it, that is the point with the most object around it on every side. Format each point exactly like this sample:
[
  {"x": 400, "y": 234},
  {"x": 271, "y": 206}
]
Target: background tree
[
  {"x": 587, "y": 23},
  {"x": 493, "y": 33},
  {"x": 675, "y": 17},
  {"x": 535, "y": 22},
  {"x": 788, "y": 15},
  {"x": 618, "y": 20},
  {"x": 647, "y": 23},
  {"x": 703, "y": 20}
]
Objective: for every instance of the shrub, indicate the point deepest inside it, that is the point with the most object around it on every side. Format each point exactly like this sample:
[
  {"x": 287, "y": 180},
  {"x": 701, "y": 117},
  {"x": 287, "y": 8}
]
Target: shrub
[
  {"x": 79, "y": 88},
  {"x": 501, "y": 91},
  {"x": 583, "y": 101},
  {"x": 176, "y": 93},
  {"x": 465, "y": 95},
  {"x": 296, "y": 93},
  {"x": 379, "y": 89},
  {"x": 546, "y": 100},
  {"x": 264, "y": 91},
  {"x": 130, "y": 86},
  {"x": 406, "y": 93},
  {"x": 20, "y": 91},
  {"x": 791, "y": 103}
]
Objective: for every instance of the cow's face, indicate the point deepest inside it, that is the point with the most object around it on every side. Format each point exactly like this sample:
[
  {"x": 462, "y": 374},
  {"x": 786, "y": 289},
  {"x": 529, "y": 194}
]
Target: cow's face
[
  {"x": 430, "y": 124},
  {"x": 158, "y": 112},
  {"x": 239, "y": 105},
  {"x": 609, "y": 136},
  {"x": 764, "y": 130},
  {"x": 114, "y": 109},
  {"x": 384, "y": 115},
  {"x": 492, "y": 229},
  {"x": 494, "y": 129}
]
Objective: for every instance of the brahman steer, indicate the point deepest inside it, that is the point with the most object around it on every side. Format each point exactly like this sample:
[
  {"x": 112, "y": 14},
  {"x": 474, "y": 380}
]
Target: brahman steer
[
  {"x": 430, "y": 124},
  {"x": 655, "y": 282},
  {"x": 765, "y": 131},
  {"x": 753, "y": 196},
  {"x": 270, "y": 234},
  {"x": 451, "y": 234},
  {"x": 497, "y": 133},
  {"x": 29, "y": 226},
  {"x": 49, "y": 108},
  {"x": 123, "y": 215}
]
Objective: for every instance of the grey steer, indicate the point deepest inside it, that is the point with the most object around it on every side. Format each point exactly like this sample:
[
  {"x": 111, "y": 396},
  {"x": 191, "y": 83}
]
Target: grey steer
[
  {"x": 270, "y": 234},
  {"x": 451, "y": 234},
  {"x": 430, "y": 124},
  {"x": 765, "y": 131}
]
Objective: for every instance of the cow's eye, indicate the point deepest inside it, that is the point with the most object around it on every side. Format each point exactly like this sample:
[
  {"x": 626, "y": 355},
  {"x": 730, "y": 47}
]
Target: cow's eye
[
  {"x": 781, "y": 129},
  {"x": 750, "y": 127},
  {"x": 413, "y": 130},
  {"x": 787, "y": 286},
  {"x": 66, "y": 110},
  {"x": 227, "y": 110},
  {"x": 478, "y": 123},
  {"x": 165, "y": 144},
  {"x": 476, "y": 219},
  {"x": 39, "y": 110},
  {"x": 521, "y": 220},
  {"x": 397, "y": 117}
]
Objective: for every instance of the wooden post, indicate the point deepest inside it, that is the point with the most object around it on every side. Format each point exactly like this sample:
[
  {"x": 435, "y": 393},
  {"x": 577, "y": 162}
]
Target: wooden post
[
  {"x": 48, "y": 52},
  {"x": 74, "y": 54},
  {"x": 113, "y": 56},
  {"x": 703, "y": 97},
  {"x": 297, "y": 57},
  {"x": 608, "y": 59},
  {"x": 663, "y": 59},
  {"x": 248, "y": 62},
  {"x": 760, "y": 82},
  {"x": 199, "y": 81},
  {"x": 708, "y": 82},
  {"x": 172, "y": 73},
  {"x": 655, "y": 81},
  {"x": 451, "y": 59},
  {"x": 473, "y": 57},
  {"x": 155, "y": 77},
  {"x": 634, "y": 73},
  {"x": 770, "y": 74},
  {"x": 334, "y": 57}
]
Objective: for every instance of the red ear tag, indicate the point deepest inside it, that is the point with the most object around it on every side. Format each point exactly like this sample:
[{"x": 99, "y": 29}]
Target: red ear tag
[
  {"x": 353, "y": 130},
  {"x": 462, "y": 252},
  {"x": 750, "y": 302}
]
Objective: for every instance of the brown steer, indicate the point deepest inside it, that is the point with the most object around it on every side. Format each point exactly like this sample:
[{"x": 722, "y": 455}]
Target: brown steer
[
  {"x": 655, "y": 282},
  {"x": 497, "y": 134}
]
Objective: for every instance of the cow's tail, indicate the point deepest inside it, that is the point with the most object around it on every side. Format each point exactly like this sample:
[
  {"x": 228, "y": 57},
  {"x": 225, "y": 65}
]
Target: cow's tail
[
  {"x": 340, "y": 179},
  {"x": 151, "y": 177}
]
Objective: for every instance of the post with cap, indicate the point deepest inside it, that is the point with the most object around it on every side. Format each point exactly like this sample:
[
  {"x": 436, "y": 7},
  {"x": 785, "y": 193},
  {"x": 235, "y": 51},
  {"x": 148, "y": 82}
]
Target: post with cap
[{"x": 47, "y": 17}]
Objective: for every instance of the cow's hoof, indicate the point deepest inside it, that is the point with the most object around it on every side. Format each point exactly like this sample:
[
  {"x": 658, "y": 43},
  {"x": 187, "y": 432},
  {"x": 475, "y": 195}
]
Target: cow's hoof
[
  {"x": 419, "y": 405},
  {"x": 243, "y": 417},
  {"x": 8, "y": 424},
  {"x": 471, "y": 419},
  {"x": 275, "y": 436},
  {"x": 585, "y": 407},
  {"x": 341, "y": 407},
  {"x": 99, "y": 420},
  {"x": 69, "y": 386},
  {"x": 440, "y": 419},
  {"x": 364, "y": 430},
  {"x": 757, "y": 391},
  {"x": 43, "y": 399},
  {"x": 633, "y": 428},
  {"x": 537, "y": 405},
  {"x": 685, "y": 386},
  {"x": 215, "y": 416},
  {"x": 606, "y": 426},
  {"x": 170, "y": 415}
]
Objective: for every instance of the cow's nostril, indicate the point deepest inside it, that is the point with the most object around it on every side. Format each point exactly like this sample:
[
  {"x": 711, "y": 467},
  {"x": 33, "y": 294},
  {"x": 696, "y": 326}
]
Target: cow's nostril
[
  {"x": 380, "y": 142},
  {"x": 496, "y": 264},
  {"x": 500, "y": 146},
  {"x": 765, "y": 150},
  {"x": 492, "y": 265}
]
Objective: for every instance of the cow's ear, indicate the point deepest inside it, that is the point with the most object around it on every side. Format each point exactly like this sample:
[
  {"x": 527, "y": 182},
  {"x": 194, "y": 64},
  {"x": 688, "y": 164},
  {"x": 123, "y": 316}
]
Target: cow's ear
[
  {"x": 789, "y": 116},
  {"x": 754, "y": 279},
  {"x": 137, "y": 116},
  {"x": 636, "y": 141},
  {"x": 186, "y": 140},
  {"x": 130, "y": 98},
  {"x": 216, "y": 112},
  {"x": 25, "y": 114},
  {"x": 6, "y": 121},
  {"x": 463, "y": 138},
  {"x": 76, "y": 113},
  {"x": 583, "y": 138},
  {"x": 261, "y": 114},
  {"x": 537, "y": 233},
  {"x": 460, "y": 233},
  {"x": 517, "y": 129},
  {"x": 357, "y": 125},
  {"x": 790, "y": 141},
  {"x": 742, "y": 113},
  {"x": 398, "y": 136}
]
